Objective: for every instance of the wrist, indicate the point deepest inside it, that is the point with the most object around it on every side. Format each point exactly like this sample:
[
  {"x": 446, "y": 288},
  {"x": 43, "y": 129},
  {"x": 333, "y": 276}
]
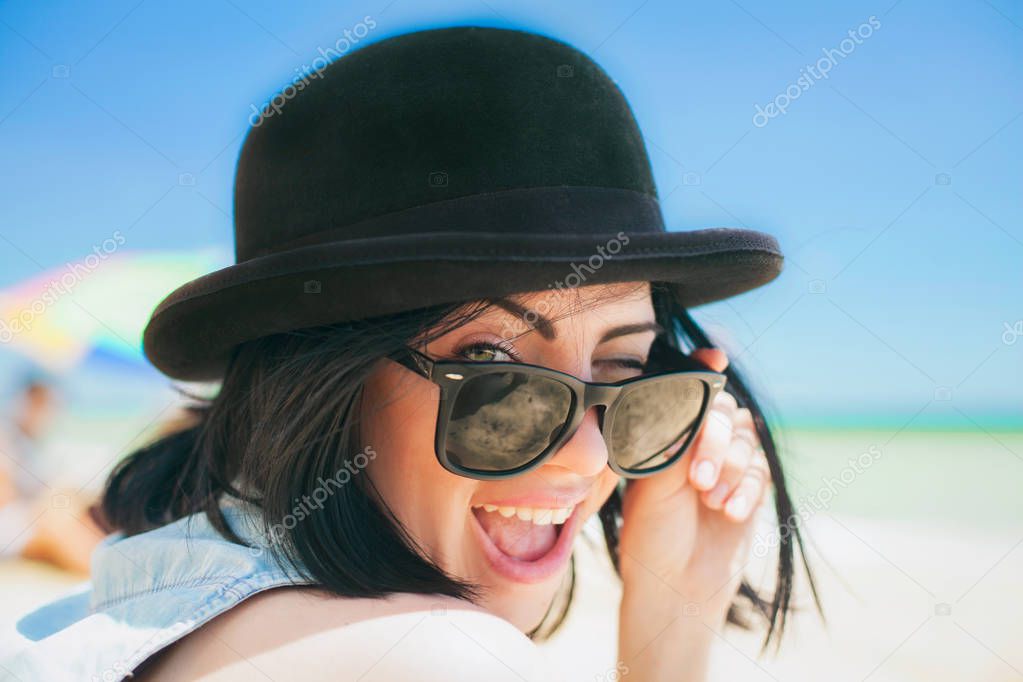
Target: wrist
[
  {"x": 664, "y": 635},
  {"x": 661, "y": 601}
]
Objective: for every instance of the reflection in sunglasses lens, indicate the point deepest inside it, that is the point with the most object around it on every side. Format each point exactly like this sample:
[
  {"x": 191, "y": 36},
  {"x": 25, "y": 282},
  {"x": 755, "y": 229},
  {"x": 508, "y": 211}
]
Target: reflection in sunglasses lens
[
  {"x": 653, "y": 419},
  {"x": 503, "y": 420}
]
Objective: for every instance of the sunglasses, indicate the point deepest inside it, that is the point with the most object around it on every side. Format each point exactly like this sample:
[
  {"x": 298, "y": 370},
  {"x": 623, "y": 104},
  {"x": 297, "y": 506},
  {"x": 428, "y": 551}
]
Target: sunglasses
[{"x": 502, "y": 419}]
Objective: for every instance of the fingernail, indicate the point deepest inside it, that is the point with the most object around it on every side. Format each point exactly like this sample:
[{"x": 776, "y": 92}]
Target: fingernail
[
  {"x": 705, "y": 473},
  {"x": 737, "y": 507},
  {"x": 718, "y": 493}
]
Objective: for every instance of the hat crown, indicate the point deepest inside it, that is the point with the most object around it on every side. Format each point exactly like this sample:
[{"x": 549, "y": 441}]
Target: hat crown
[{"x": 431, "y": 117}]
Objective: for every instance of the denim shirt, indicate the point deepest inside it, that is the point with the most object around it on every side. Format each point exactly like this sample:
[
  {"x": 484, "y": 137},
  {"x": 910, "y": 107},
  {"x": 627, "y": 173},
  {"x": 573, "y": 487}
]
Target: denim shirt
[{"x": 146, "y": 591}]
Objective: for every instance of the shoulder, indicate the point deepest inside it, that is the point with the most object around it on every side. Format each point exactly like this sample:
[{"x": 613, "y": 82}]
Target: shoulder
[{"x": 302, "y": 633}]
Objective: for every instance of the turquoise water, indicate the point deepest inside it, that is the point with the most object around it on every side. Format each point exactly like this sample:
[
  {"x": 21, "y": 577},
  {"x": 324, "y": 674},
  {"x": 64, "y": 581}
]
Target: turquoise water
[
  {"x": 974, "y": 478},
  {"x": 940, "y": 465}
]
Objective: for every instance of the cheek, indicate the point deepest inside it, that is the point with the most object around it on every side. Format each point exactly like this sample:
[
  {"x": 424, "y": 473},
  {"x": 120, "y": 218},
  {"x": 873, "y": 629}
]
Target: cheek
[
  {"x": 399, "y": 419},
  {"x": 603, "y": 489},
  {"x": 608, "y": 481}
]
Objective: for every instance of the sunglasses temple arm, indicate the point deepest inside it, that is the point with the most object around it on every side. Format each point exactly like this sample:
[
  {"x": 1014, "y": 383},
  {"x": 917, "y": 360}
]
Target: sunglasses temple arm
[{"x": 415, "y": 361}]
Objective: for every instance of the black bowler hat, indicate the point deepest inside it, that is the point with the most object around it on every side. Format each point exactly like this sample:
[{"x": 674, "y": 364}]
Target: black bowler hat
[{"x": 438, "y": 166}]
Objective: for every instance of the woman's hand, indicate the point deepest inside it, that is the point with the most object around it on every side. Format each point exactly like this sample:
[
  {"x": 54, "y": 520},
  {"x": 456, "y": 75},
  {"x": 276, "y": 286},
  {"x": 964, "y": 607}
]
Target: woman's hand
[{"x": 685, "y": 539}]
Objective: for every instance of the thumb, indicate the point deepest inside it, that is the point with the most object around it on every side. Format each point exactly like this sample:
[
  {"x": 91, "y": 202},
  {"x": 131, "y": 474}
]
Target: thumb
[{"x": 714, "y": 358}]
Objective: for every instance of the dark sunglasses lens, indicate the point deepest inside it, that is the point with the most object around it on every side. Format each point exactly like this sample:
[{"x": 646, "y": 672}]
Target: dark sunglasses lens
[
  {"x": 654, "y": 420},
  {"x": 503, "y": 420}
]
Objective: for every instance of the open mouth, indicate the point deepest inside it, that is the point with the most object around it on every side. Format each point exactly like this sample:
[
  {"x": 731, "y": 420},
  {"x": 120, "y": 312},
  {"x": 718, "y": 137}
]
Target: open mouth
[{"x": 526, "y": 544}]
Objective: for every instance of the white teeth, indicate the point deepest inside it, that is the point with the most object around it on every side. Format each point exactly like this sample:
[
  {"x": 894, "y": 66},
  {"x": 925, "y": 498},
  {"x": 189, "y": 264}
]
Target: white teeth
[
  {"x": 543, "y": 517},
  {"x": 560, "y": 516},
  {"x": 538, "y": 516}
]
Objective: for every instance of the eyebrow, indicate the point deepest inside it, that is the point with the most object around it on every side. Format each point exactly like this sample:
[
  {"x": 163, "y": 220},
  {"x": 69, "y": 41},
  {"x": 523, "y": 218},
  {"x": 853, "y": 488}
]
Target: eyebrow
[{"x": 546, "y": 328}]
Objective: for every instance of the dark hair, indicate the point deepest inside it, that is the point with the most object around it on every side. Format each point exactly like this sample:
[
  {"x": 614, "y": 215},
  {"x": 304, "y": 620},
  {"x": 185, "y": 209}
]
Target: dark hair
[{"x": 355, "y": 546}]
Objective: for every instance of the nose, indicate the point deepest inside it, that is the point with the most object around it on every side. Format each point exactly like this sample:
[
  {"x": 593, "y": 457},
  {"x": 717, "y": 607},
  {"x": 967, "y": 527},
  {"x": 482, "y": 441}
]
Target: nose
[{"x": 585, "y": 452}]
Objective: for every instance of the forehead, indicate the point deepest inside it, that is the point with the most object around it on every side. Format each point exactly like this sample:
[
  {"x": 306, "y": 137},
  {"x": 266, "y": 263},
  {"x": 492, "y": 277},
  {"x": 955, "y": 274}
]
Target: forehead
[
  {"x": 579, "y": 307},
  {"x": 565, "y": 301}
]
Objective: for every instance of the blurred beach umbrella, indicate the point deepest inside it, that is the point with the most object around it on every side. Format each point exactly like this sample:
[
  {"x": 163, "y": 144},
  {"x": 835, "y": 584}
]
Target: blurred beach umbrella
[{"x": 96, "y": 307}]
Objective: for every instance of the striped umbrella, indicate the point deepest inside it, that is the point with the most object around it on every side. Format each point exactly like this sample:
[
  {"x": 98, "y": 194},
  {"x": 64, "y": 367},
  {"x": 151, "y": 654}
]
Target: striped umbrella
[{"x": 94, "y": 308}]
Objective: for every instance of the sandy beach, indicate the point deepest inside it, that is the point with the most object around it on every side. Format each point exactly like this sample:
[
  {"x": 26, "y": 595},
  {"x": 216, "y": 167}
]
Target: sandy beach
[{"x": 917, "y": 587}]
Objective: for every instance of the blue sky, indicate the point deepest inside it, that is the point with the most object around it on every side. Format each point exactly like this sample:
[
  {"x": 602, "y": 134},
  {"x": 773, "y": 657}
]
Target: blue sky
[{"x": 893, "y": 185}]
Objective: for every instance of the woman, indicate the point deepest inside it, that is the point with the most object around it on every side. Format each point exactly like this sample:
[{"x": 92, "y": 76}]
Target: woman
[
  {"x": 456, "y": 331},
  {"x": 41, "y": 520}
]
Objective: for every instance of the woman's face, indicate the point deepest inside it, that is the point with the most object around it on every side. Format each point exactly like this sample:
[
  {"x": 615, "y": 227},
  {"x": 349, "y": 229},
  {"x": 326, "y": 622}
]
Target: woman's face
[{"x": 519, "y": 562}]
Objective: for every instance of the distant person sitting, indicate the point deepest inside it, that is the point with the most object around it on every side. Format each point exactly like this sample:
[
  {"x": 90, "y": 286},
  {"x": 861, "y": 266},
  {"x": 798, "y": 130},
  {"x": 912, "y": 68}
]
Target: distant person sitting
[{"x": 37, "y": 520}]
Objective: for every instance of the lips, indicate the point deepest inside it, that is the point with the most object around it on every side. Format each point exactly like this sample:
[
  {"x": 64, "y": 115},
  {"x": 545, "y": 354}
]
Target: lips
[{"x": 526, "y": 550}]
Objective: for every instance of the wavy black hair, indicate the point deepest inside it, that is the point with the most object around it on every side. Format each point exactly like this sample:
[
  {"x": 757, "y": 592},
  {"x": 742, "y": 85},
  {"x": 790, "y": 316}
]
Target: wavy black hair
[{"x": 286, "y": 416}]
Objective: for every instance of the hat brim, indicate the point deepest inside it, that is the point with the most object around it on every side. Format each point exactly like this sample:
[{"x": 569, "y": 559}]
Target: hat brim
[{"x": 192, "y": 331}]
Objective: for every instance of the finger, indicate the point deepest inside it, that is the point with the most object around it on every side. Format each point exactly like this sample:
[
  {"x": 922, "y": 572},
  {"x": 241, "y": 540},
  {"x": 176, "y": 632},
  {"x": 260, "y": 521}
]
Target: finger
[
  {"x": 714, "y": 359},
  {"x": 726, "y": 403},
  {"x": 710, "y": 449},
  {"x": 748, "y": 493},
  {"x": 733, "y": 468},
  {"x": 745, "y": 426},
  {"x": 743, "y": 419}
]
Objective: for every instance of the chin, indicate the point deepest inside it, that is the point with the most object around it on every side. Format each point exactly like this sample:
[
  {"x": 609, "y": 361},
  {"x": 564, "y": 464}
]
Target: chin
[{"x": 523, "y": 605}]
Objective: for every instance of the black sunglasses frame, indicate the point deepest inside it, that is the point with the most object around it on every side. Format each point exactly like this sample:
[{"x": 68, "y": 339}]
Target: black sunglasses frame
[{"x": 451, "y": 375}]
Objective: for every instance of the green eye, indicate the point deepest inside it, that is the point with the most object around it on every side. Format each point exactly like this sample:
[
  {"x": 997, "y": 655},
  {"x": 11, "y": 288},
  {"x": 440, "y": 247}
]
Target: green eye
[{"x": 481, "y": 351}]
